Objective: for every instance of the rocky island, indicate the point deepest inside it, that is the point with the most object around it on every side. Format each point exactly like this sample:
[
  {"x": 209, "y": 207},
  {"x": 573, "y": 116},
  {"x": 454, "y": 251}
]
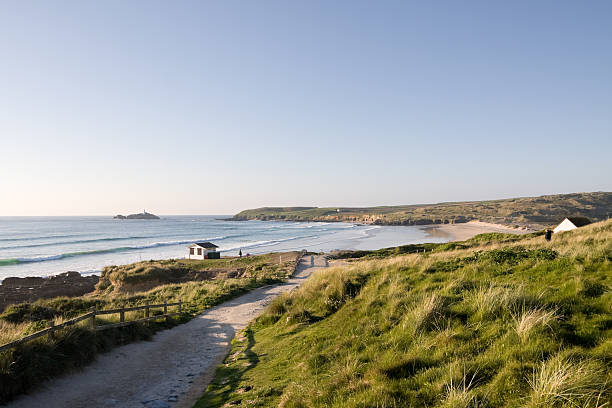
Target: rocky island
[{"x": 141, "y": 216}]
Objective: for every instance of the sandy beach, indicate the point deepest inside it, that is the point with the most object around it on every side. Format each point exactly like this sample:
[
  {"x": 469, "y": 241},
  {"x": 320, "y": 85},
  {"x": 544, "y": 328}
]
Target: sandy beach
[{"x": 461, "y": 232}]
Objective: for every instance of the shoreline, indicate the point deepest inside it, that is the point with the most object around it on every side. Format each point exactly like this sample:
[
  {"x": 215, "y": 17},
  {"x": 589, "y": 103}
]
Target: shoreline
[
  {"x": 383, "y": 236},
  {"x": 467, "y": 230},
  {"x": 437, "y": 232}
]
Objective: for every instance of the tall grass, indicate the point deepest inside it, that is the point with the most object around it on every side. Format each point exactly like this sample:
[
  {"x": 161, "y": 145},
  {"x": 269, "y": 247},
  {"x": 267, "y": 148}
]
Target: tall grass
[
  {"x": 529, "y": 319},
  {"x": 425, "y": 314},
  {"x": 516, "y": 323},
  {"x": 458, "y": 394},
  {"x": 560, "y": 381}
]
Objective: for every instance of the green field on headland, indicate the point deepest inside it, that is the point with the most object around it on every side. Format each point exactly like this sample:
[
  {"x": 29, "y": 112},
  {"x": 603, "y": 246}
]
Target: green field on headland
[
  {"x": 199, "y": 284},
  {"x": 495, "y": 321},
  {"x": 535, "y": 212}
]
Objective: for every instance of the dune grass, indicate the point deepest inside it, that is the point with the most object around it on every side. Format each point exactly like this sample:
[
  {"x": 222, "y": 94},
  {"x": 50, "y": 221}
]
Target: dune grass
[
  {"x": 29, "y": 364},
  {"x": 507, "y": 323}
]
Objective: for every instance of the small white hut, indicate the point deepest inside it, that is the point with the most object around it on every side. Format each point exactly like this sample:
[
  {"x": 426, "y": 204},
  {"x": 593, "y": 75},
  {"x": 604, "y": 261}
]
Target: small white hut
[
  {"x": 203, "y": 250},
  {"x": 571, "y": 223}
]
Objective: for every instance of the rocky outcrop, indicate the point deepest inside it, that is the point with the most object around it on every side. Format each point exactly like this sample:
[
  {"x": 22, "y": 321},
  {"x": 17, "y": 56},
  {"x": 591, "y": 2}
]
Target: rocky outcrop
[{"x": 19, "y": 290}]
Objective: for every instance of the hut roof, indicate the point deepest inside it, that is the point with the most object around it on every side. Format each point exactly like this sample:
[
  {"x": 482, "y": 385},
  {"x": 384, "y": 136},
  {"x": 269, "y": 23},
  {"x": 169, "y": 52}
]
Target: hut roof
[
  {"x": 206, "y": 245},
  {"x": 579, "y": 221}
]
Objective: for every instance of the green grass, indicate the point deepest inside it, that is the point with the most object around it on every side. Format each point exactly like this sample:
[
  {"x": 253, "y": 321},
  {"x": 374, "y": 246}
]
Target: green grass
[
  {"x": 28, "y": 365},
  {"x": 476, "y": 241},
  {"x": 496, "y": 323},
  {"x": 148, "y": 274},
  {"x": 525, "y": 211}
]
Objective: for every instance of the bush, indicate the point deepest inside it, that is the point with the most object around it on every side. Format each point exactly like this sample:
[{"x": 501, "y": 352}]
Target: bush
[
  {"x": 514, "y": 255},
  {"x": 28, "y": 312},
  {"x": 592, "y": 289}
]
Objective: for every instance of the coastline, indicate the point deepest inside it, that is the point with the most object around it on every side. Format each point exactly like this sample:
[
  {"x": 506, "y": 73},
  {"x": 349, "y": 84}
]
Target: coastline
[
  {"x": 88, "y": 244},
  {"x": 374, "y": 237},
  {"x": 463, "y": 231}
]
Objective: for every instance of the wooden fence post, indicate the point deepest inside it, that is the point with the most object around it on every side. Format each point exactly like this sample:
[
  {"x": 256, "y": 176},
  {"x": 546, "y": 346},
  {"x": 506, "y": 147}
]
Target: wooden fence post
[
  {"x": 122, "y": 316},
  {"x": 93, "y": 318},
  {"x": 180, "y": 304},
  {"x": 51, "y": 326},
  {"x": 166, "y": 310}
]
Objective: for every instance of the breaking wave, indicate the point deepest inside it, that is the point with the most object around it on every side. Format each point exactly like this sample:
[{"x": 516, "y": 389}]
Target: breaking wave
[
  {"x": 44, "y": 258},
  {"x": 81, "y": 241}
]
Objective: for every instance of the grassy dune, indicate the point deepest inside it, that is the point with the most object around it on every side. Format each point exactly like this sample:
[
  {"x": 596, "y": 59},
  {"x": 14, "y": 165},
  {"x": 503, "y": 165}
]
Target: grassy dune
[
  {"x": 491, "y": 322},
  {"x": 525, "y": 211},
  {"x": 29, "y": 364}
]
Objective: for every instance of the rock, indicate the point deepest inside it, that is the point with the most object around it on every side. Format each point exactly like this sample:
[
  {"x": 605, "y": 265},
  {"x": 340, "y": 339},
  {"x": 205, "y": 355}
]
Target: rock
[
  {"x": 141, "y": 216},
  {"x": 19, "y": 290}
]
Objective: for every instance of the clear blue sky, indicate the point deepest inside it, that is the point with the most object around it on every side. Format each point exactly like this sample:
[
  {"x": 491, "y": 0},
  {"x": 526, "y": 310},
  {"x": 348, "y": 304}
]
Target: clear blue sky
[{"x": 202, "y": 107}]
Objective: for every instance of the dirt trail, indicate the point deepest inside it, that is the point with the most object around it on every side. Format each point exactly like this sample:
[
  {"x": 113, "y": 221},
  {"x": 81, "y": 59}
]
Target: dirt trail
[{"x": 173, "y": 369}]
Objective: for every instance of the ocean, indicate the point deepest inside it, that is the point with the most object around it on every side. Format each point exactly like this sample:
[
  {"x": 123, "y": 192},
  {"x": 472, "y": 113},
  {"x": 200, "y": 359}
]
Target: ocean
[{"x": 42, "y": 246}]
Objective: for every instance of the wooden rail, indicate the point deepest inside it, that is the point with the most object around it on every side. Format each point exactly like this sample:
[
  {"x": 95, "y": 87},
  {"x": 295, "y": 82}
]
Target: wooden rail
[{"x": 92, "y": 321}]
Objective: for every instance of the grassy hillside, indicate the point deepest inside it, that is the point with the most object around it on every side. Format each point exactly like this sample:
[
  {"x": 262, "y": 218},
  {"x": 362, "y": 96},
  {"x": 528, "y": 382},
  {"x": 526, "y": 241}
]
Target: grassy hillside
[
  {"x": 492, "y": 322},
  {"x": 29, "y": 364},
  {"x": 527, "y": 211},
  {"x": 145, "y": 275}
]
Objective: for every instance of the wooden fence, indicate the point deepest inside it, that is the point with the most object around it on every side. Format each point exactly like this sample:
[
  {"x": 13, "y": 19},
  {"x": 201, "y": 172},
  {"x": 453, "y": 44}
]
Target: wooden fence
[
  {"x": 297, "y": 262},
  {"x": 91, "y": 316}
]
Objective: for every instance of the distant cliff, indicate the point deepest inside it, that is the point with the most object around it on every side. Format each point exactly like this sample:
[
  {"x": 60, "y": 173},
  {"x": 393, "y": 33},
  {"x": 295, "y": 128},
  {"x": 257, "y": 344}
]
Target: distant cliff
[
  {"x": 535, "y": 212},
  {"x": 141, "y": 216}
]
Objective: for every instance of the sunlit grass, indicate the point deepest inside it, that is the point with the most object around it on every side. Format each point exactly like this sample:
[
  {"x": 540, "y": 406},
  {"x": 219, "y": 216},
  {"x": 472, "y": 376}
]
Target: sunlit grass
[{"x": 482, "y": 324}]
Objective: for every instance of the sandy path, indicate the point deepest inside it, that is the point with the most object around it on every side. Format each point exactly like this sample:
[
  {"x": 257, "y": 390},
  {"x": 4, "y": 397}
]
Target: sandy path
[{"x": 173, "y": 369}]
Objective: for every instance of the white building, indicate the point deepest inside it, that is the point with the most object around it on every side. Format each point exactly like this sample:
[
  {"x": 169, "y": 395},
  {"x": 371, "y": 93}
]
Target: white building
[
  {"x": 203, "y": 250},
  {"x": 571, "y": 223}
]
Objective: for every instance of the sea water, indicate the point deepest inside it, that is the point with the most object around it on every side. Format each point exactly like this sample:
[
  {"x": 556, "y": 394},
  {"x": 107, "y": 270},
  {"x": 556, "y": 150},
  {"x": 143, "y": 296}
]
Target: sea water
[{"x": 42, "y": 246}]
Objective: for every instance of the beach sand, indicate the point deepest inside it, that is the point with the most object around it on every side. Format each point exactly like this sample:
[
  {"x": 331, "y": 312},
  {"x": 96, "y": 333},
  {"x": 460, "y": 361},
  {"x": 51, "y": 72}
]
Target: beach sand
[{"x": 463, "y": 231}]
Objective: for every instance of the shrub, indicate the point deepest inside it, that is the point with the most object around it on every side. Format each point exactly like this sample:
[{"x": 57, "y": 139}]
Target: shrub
[
  {"x": 299, "y": 314},
  {"x": 592, "y": 289},
  {"x": 514, "y": 255},
  {"x": 28, "y": 312}
]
